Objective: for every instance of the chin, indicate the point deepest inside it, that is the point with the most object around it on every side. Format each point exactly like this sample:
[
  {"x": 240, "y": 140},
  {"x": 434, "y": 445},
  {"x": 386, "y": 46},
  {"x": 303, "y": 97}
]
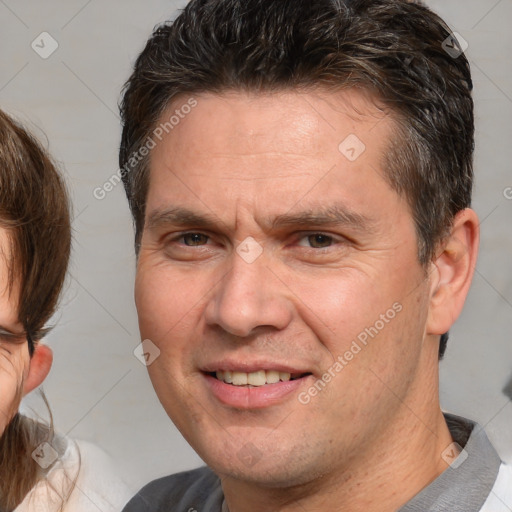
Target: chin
[
  {"x": 270, "y": 476},
  {"x": 269, "y": 467}
]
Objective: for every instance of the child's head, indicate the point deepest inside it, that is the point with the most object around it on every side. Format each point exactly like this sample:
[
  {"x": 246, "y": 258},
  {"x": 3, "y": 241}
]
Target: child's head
[{"x": 35, "y": 239}]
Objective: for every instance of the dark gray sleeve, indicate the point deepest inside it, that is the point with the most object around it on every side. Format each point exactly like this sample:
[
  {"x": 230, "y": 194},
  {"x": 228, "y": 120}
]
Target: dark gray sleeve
[{"x": 198, "y": 490}]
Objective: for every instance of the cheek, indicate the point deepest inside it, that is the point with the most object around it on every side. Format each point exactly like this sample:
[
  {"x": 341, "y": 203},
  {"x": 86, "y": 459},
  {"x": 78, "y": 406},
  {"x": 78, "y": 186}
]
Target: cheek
[
  {"x": 157, "y": 302},
  {"x": 168, "y": 311},
  {"x": 169, "y": 305},
  {"x": 11, "y": 386},
  {"x": 369, "y": 322},
  {"x": 339, "y": 304}
]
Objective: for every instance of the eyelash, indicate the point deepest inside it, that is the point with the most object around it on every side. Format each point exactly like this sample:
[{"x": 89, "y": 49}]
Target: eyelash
[
  {"x": 192, "y": 233},
  {"x": 309, "y": 234},
  {"x": 8, "y": 337},
  {"x": 8, "y": 341},
  {"x": 324, "y": 235},
  {"x": 23, "y": 337}
]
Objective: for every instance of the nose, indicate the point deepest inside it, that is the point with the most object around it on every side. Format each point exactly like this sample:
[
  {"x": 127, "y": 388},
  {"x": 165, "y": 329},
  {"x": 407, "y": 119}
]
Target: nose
[{"x": 250, "y": 296}]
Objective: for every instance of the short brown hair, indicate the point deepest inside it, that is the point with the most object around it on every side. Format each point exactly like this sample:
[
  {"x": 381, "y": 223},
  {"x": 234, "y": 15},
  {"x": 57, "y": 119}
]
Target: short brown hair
[{"x": 395, "y": 48}]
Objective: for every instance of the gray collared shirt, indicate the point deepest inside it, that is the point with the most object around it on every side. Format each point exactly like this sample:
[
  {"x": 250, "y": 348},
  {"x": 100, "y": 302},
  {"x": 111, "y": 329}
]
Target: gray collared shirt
[{"x": 463, "y": 487}]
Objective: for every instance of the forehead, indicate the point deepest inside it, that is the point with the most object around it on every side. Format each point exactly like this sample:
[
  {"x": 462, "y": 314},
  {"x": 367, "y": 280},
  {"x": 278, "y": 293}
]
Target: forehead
[
  {"x": 248, "y": 146},
  {"x": 7, "y": 295},
  {"x": 292, "y": 120},
  {"x": 5, "y": 257}
]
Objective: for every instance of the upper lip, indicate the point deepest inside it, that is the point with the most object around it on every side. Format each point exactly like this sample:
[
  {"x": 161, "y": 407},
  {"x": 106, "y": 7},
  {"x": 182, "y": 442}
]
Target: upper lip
[{"x": 232, "y": 365}]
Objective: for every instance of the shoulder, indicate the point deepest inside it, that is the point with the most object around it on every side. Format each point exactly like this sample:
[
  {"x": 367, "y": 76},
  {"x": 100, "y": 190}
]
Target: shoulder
[
  {"x": 82, "y": 475},
  {"x": 500, "y": 498},
  {"x": 98, "y": 482},
  {"x": 198, "y": 489}
]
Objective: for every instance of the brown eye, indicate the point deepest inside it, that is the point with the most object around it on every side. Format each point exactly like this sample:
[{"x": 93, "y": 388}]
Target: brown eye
[
  {"x": 194, "y": 239},
  {"x": 319, "y": 241}
]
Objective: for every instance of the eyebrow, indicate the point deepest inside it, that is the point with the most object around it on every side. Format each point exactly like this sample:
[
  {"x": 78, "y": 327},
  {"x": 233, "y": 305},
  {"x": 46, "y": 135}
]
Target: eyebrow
[
  {"x": 180, "y": 217},
  {"x": 336, "y": 215}
]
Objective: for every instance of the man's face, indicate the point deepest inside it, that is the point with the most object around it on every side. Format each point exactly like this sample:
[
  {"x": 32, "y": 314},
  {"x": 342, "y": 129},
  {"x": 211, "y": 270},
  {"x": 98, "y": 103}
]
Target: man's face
[{"x": 272, "y": 243}]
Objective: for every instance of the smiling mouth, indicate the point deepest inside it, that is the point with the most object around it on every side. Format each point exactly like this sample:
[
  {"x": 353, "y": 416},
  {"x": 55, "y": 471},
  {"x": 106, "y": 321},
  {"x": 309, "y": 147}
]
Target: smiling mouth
[{"x": 255, "y": 379}]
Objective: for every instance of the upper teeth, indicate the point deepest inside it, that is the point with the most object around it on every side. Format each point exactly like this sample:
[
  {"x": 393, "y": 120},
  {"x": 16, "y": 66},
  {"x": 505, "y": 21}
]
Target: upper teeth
[{"x": 259, "y": 378}]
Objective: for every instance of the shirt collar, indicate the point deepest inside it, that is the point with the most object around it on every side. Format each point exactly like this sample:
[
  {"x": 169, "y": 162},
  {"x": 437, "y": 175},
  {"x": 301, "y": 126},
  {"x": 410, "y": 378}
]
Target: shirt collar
[{"x": 466, "y": 484}]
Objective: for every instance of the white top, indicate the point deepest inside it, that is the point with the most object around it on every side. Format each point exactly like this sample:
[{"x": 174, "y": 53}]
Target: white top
[
  {"x": 500, "y": 498},
  {"x": 97, "y": 487}
]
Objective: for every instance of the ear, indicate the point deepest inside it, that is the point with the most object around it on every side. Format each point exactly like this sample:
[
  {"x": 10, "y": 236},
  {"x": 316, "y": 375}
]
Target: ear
[
  {"x": 40, "y": 365},
  {"x": 452, "y": 272}
]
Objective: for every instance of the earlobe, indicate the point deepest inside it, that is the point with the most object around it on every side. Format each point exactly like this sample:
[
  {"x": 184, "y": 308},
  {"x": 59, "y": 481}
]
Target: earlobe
[
  {"x": 453, "y": 272},
  {"x": 40, "y": 365}
]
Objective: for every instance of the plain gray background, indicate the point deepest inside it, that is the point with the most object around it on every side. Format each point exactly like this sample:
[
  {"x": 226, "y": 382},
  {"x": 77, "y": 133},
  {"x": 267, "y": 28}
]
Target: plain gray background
[{"x": 97, "y": 389}]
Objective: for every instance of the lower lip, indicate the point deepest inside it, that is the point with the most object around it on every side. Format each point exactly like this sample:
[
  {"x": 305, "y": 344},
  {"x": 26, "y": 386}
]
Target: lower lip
[{"x": 242, "y": 397}]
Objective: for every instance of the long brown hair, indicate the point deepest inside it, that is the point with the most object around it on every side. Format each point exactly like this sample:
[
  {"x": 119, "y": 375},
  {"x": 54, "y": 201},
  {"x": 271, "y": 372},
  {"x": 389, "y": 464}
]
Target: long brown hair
[{"x": 34, "y": 209}]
